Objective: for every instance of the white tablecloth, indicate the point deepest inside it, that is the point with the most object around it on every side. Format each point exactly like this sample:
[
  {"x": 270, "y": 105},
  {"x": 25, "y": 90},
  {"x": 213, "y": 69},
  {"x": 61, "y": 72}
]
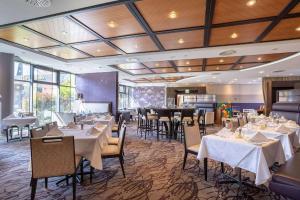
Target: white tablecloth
[
  {"x": 19, "y": 121},
  {"x": 288, "y": 141},
  {"x": 89, "y": 145},
  {"x": 107, "y": 120},
  {"x": 242, "y": 154}
]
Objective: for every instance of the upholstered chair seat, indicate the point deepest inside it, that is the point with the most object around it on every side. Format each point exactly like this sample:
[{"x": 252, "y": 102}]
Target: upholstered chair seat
[
  {"x": 113, "y": 140},
  {"x": 164, "y": 119},
  {"x": 194, "y": 148}
]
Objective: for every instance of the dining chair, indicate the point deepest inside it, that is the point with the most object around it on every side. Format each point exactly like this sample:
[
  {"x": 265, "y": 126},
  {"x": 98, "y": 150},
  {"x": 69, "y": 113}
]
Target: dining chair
[
  {"x": 51, "y": 125},
  {"x": 115, "y": 140},
  {"x": 116, "y": 127},
  {"x": 52, "y": 157},
  {"x": 116, "y": 151},
  {"x": 147, "y": 122},
  {"x": 186, "y": 117},
  {"x": 164, "y": 119},
  {"x": 192, "y": 140}
]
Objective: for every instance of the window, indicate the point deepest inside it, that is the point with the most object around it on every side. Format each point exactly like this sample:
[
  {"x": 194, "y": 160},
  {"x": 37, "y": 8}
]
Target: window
[
  {"x": 42, "y": 75},
  {"x": 125, "y": 97},
  {"x": 66, "y": 91},
  {"x": 42, "y": 91}
]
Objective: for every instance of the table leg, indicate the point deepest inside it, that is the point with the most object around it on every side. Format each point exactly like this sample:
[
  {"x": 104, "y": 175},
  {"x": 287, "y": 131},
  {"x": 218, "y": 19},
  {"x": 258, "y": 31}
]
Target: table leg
[{"x": 205, "y": 169}]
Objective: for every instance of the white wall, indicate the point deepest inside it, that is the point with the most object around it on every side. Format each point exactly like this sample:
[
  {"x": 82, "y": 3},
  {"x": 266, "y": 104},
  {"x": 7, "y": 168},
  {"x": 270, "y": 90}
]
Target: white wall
[{"x": 251, "y": 93}]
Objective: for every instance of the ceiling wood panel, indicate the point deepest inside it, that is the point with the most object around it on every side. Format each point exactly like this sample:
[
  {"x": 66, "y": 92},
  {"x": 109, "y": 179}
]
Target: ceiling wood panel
[
  {"x": 111, "y": 21},
  {"x": 237, "y": 10},
  {"x": 158, "y": 64},
  {"x": 245, "y": 66},
  {"x": 187, "y": 13},
  {"x": 218, "y": 68},
  {"x": 61, "y": 29},
  {"x": 65, "y": 52},
  {"x": 286, "y": 29},
  {"x": 164, "y": 70},
  {"x": 296, "y": 9},
  {"x": 136, "y": 44},
  {"x": 140, "y": 71},
  {"x": 181, "y": 40},
  {"x": 222, "y": 60},
  {"x": 97, "y": 49},
  {"x": 25, "y": 37},
  {"x": 190, "y": 62},
  {"x": 245, "y": 33},
  {"x": 131, "y": 66},
  {"x": 265, "y": 57},
  {"x": 189, "y": 69}
]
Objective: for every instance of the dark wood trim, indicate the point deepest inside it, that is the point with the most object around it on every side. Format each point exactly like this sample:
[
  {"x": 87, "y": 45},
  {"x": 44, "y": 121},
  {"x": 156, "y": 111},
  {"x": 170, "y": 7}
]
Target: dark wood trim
[
  {"x": 209, "y": 14},
  {"x": 136, "y": 13},
  {"x": 237, "y": 62}
]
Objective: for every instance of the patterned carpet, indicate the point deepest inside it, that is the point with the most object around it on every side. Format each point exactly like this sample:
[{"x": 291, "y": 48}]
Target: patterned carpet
[{"x": 153, "y": 172}]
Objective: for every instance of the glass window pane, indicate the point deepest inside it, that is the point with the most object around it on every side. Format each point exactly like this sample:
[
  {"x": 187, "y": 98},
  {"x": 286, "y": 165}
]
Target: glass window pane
[
  {"x": 73, "y": 80},
  {"x": 65, "y": 99},
  {"x": 22, "y": 91},
  {"x": 22, "y": 71},
  {"x": 65, "y": 79},
  {"x": 45, "y": 75},
  {"x": 45, "y": 101}
]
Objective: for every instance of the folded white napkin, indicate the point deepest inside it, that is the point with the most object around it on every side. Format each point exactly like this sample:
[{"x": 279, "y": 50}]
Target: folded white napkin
[
  {"x": 54, "y": 132},
  {"x": 292, "y": 124},
  {"x": 93, "y": 131},
  {"x": 248, "y": 131},
  {"x": 224, "y": 132},
  {"x": 283, "y": 129},
  {"x": 258, "y": 138},
  {"x": 72, "y": 125}
]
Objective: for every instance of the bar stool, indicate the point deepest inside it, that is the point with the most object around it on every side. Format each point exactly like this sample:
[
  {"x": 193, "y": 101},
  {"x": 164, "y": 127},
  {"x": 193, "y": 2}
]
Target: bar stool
[
  {"x": 164, "y": 118},
  {"x": 9, "y": 132},
  {"x": 187, "y": 117}
]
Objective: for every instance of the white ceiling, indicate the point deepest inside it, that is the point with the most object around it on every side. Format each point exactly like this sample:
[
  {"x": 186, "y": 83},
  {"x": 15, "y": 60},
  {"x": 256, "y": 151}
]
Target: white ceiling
[
  {"x": 12, "y": 11},
  {"x": 290, "y": 65}
]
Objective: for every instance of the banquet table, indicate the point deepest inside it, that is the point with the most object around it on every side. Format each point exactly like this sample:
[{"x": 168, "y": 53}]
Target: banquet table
[
  {"x": 289, "y": 140},
  {"x": 88, "y": 144},
  {"x": 239, "y": 153},
  {"x": 19, "y": 121},
  {"x": 108, "y": 120}
]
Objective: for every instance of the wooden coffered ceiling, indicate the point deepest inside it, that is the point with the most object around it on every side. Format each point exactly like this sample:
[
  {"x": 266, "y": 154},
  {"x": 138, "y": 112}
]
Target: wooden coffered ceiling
[
  {"x": 141, "y": 26},
  {"x": 157, "y": 79}
]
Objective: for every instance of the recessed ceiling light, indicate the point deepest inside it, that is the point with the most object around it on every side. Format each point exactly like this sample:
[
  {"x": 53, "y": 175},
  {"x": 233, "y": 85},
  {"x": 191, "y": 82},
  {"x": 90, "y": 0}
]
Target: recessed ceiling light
[
  {"x": 98, "y": 50},
  {"x": 180, "y": 41},
  {"x": 156, "y": 64},
  {"x": 64, "y": 32},
  {"x": 112, "y": 24},
  {"x": 189, "y": 69},
  {"x": 241, "y": 67},
  {"x": 261, "y": 72},
  {"x": 217, "y": 68},
  {"x": 259, "y": 58},
  {"x": 234, "y": 35},
  {"x": 221, "y": 60},
  {"x": 172, "y": 15},
  {"x": 251, "y": 3},
  {"x": 298, "y": 28},
  {"x": 187, "y": 62}
]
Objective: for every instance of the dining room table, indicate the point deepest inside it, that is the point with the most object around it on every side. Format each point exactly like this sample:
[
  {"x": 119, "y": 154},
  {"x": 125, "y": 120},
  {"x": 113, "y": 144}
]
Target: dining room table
[
  {"x": 89, "y": 141},
  {"x": 19, "y": 121},
  {"x": 240, "y": 152}
]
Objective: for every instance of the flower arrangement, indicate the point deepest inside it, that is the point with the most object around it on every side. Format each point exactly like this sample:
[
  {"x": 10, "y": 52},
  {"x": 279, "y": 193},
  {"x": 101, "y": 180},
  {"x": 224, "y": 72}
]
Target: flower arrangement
[{"x": 226, "y": 109}]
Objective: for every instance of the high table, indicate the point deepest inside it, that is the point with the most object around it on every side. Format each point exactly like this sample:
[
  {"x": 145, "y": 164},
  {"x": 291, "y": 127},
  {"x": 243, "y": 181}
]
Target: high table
[{"x": 239, "y": 153}]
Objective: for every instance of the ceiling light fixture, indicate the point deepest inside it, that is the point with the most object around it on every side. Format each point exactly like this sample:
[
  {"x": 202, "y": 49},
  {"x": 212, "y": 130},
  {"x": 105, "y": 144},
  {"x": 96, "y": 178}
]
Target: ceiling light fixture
[
  {"x": 112, "y": 24},
  {"x": 180, "y": 41},
  {"x": 189, "y": 69},
  {"x": 217, "y": 68},
  {"x": 259, "y": 58},
  {"x": 39, "y": 3},
  {"x": 172, "y": 15},
  {"x": 251, "y": 3},
  {"x": 298, "y": 28},
  {"x": 234, "y": 35},
  {"x": 227, "y": 52},
  {"x": 221, "y": 60},
  {"x": 98, "y": 50},
  {"x": 241, "y": 67},
  {"x": 156, "y": 64},
  {"x": 187, "y": 62}
]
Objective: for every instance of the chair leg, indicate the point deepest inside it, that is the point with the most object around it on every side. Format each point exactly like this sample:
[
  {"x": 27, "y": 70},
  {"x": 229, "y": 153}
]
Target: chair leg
[
  {"x": 81, "y": 172},
  {"x": 74, "y": 186},
  {"x": 33, "y": 187},
  {"x": 46, "y": 183},
  {"x": 121, "y": 162},
  {"x": 91, "y": 174},
  {"x": 184, "y": 159},
  {"x": 222, "y": 167},
  {"x": 157, "y": 130},
  {"x": 67, "y": 180}
]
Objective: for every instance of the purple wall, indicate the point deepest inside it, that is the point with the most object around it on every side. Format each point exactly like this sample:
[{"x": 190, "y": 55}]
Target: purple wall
[
  {"x": 99, "y": 87},
  {"x": 149, "y": 96}
]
